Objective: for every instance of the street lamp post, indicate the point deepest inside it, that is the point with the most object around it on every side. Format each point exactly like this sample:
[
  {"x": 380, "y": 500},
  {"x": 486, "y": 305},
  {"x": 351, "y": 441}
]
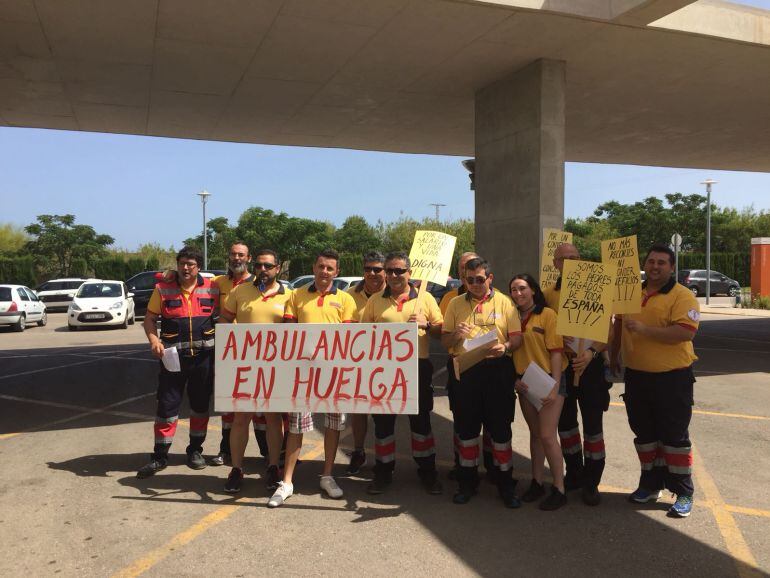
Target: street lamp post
[
  {"x": 438, "y": 206},
  {"x": 708, "y": 183},
  {"x": 204, "y": 194}
]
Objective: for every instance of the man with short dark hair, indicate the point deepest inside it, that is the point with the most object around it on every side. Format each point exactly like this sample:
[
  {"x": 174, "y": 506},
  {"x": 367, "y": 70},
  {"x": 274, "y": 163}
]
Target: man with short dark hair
[
  {"x": 656, "y": 347},
  {"x": 318, "y": 302},
  {"x": 373, "y": 282},
  {"x": 399, "y": 303},
  {"x": 186, "y": 306},
  {"x": 485, "y": 394}
]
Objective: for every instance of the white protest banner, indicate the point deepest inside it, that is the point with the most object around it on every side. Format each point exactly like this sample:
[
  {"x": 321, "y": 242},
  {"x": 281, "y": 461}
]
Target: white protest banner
[
  {"x": 325, "y": 368},
  {"x": 431, "y": 256},
  {"x": 552, "y": 238},
  {"x": 624, "y": 254}
]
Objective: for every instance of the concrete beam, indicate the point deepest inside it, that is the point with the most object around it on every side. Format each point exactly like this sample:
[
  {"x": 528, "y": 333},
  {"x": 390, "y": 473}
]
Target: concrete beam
[
  {"x": 636, "y": 13},
  {"x": 519, "y": 139}
]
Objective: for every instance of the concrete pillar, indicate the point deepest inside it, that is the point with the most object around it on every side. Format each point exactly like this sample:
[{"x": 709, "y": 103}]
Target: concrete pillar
[{"x": 519, "y": 166}]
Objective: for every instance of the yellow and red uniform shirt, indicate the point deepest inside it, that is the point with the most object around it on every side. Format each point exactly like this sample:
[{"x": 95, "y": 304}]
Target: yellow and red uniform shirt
[
  {"x": 539, "y": 341},
  {"x": 249, "y": 305},
  {"x": 308, "y": 305},
  {"x": 384, "y": 308},
  {"x": 495, "y": 312},
  {"x": 674, "y": 304}
]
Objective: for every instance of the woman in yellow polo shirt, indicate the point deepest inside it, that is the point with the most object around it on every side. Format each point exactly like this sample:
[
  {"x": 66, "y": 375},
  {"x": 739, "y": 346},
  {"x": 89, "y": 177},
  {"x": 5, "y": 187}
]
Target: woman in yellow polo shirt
[{"x": 543, "y": 346}]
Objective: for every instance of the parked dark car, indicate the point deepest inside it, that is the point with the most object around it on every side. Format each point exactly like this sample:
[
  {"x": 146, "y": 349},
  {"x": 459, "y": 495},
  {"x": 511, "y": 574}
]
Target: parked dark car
[
  {"x": 695, "y": 281},
  {"x": 438, "y": 291}
]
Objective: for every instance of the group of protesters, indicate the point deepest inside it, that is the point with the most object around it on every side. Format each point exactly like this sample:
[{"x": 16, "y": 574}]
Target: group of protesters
[{"x": 654, "y": 346}]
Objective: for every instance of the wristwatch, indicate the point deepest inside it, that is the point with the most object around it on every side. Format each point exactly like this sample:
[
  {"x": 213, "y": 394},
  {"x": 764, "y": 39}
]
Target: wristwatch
[{"x": 594, "y": 354}]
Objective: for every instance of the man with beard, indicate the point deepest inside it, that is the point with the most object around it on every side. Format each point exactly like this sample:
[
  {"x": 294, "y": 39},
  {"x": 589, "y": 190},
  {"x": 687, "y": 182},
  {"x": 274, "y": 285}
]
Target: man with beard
[
  {"x": 398, "y": 303},
  {"x": 237, "y": 273},
  {"x": 261, "y": 301},
  {"x": 186, "y": 306},
  {"x": 373, "y": 282}
]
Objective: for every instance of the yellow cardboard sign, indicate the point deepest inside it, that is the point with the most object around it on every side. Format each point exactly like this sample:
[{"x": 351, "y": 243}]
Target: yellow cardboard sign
[
  {"x": 585, "y": 300},
  {"x": 431, "y": 256},
  {"x": 624, "y": 254},
  {"x": 552, "y": 238}
]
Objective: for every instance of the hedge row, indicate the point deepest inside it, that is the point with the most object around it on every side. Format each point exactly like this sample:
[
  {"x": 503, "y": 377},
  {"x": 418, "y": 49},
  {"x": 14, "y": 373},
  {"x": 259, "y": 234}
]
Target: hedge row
[
  {"x": 18, "y": 271},
  {"x": 735, "y": 265},
  {"x": 24, "y": 270}
]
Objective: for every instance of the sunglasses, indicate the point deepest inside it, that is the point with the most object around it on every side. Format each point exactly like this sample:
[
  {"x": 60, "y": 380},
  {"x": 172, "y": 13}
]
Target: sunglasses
[
  {"x": 188, "y": 265},
  {"x": 476, "y": 280},
  {"x": 265, "y": 266},
  {"x": 375, "y": 270},
  {"x": 395, "y": 271}
]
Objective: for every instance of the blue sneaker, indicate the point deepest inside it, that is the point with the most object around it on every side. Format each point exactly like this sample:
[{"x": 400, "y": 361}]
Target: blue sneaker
[
  {"x": 681, "y": 508},
  {"x": 642, "y": 496}
]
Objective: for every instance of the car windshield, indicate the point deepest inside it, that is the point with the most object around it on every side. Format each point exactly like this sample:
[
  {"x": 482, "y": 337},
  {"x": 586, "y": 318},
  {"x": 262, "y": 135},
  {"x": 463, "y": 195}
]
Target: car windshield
[
  {"x": 100, "y": 290},
  {"x": 5, "y": 294},
  {"x": 59, "y": 285}
]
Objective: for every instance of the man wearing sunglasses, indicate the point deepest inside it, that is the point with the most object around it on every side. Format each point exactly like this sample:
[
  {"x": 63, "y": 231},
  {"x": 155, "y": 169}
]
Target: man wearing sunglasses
[
  {"x": 373, "y": 282},
  {"x": 263, "y": 300},
  {"x": 318, "y": 302},
  {"x": 238, "y": 261},
  {"x": 398, "y": 303},
  {"x": 584, "y": 463},
  {"x": 485, "y": 394}
]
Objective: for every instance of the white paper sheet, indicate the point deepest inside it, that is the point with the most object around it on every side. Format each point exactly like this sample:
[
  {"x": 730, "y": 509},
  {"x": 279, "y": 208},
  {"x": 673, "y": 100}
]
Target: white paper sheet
[
  {"x": 480, "y": 341},
  {"x": 539, "y": 384},
  {"x": 171, "y": 359}
]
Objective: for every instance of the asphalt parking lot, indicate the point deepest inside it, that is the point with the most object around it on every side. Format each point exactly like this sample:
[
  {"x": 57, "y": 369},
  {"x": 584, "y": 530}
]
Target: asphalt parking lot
[{"x": 75, "y": 424}]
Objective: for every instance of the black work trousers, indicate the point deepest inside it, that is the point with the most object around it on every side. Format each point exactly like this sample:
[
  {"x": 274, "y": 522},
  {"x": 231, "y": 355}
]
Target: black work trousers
[
  {"x": 659, "y": 408},
  {"x": 584, "y": 461}
]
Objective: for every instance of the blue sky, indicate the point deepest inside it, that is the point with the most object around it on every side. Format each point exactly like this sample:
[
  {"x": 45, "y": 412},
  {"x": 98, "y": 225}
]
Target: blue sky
[{"x": 142, "y": 189}]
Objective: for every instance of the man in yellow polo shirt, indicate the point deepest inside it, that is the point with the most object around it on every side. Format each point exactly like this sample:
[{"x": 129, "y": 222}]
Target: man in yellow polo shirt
[
  {"x": 659, "y": 382},
  {"x": 373, "y": 282},
  {"x": 318, "y": 302},
  {"x": 398, "y": 303},
  {"x": 585, "y": 463},
  {"x": 485, "y": 394},
  {"x": 237, "y": 272},
  {"x": 263, "y": 300}
]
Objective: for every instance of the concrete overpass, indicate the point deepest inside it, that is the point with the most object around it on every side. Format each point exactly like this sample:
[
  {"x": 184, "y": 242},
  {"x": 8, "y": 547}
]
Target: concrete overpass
[{"x": 522, "y": 85}]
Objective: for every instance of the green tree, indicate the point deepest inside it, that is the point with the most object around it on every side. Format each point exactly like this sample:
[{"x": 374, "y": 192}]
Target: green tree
[
  {"x": 356, "y": 237},
  {"x": 220, "y": 236},
  {"x": 588, "y": 235},
  {"x": 12, "y": 239},
  {"x": 59, "y": 240},
  {"x": 290, "y": 237}
]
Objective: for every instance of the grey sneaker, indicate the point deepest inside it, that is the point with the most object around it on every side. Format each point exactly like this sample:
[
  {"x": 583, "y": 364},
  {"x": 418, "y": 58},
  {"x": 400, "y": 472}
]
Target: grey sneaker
[
  {"x": 282, "y": 494},
  {"x": 331, "y": 488}
]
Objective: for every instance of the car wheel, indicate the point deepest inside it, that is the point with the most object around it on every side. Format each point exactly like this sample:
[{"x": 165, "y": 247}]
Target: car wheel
[
  {"x": 43, "y": 320},
  {"x": 124, "y": 325},
  {"x": 695, "y": 290},
  {"x": 734, "y": 291},
  {"x": 21, "y": 324},
  {"x": 132, "y": 320},
  {"x": 72, "y": 327}
]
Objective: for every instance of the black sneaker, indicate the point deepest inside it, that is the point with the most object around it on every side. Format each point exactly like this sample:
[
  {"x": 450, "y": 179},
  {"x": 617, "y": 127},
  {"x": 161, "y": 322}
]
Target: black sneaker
[
  {"x": 591, "y": 496},
  {"x": 272, "y": 477},
  {"x": 357, "y": 461},
  {"x": 431, "y": 484},
  {"x": 195, "y": 461},
  {"x": 555, "y": 501},
  {"x": 509, "y": 499},
  {"x": 379, "y": 485},
  {"x": 234, "y": 480},
  {"x": 152, "y": 468},
  {"x": 535, "y": 492},
  {"x": 463, "y": 496}
]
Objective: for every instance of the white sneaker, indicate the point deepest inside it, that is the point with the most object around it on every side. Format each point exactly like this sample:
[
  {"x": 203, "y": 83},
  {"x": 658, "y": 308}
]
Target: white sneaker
[
  {"x": 331, "y": 488},
  {"x": 281, "y": 495}
]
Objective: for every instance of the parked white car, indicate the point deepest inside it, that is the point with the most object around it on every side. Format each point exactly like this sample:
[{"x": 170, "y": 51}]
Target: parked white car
[
  {"x": 101, "y": 302},
  {"x": 58, "y": 293},
  {"x": 19, "y": 305}
]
